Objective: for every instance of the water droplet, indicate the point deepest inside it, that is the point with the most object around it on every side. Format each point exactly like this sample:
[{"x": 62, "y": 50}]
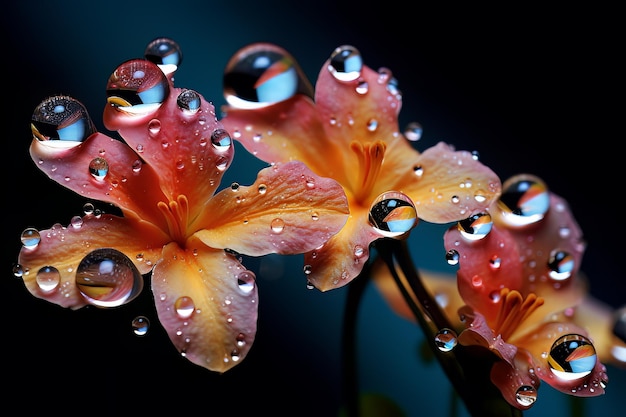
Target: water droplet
[
  {"x": 137, "y": 86},
  {"x": 18, "y": 270},
  {"x": 30, "y": 238},
  {"x": 140, "y": 325},
  {"x": 418, "y": 170},
  {"x": 572, "y": 357},
  {"x": 526, "y": 395},
  {"x": 221, "y": 140},
  {"x": 261, "y": 74},
  {"x": 413, "y": 131},
  {"x": 452, "y": 257},
  {"x": 189, "y": 101},
  {"x": 561, "y": 265},
  {"x": 495, "y": 262},
  {"x": 184, "y": 307},
  {"x": 246, "y": 281},
  {"x": 88, "y": 208},
  {"x": 372, "y": 125},
  {"x": 98, "y": 168},
  {"x": 61, "y": 122},
  {"x": 277, "y": 225},
  {"x": 393, "y": 214},
  {"x": 446, "y": 339},
  {"x": 362, "y": 87},
  {"x": 524, "y": 200},
  {"x": 48, "y": 278},
  {"x": 346, "y": 63},
  {"x": 475, "y": 227},
  {"x": 164, "y": 52},
  {"x": 108, "y": 278},
  {"x": 240, "y": 340}
]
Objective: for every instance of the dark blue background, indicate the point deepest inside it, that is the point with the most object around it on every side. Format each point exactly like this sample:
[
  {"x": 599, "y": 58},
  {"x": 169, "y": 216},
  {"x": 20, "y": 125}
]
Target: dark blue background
[{"x": 533, "y": 90}]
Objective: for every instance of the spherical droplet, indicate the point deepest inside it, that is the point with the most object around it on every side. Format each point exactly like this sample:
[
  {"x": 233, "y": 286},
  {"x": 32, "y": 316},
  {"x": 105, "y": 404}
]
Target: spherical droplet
[
  {"x": 452, "y": 257},
  {"x": 446, "y": 339},
  {"x": 525, "y": 200},
  {"x": 246, "y": 281},
  {"x": 189, "y": 101},
  {"x": 48, "y": 278},
  {"x": 137, "y": 86},
  {"x": 184, "y": 307},
  {"x": 346, "y": 63},
  {"x": 262, "y": 74},
  {"x": 277, "y": 225},
  {"x": 140, "y": 325},
  {"x": 164, "y": 52},
  {"x": 61, "y": 122},
  {"x": 475, "y": 227},
  {"x": 30, "y": 238},
  {"x": 108, "y": 278},
  {"x": 561, "y": 265},
  {"x": 221, "y": 140},
  {"x": 99, "y": 168},
  {"x": 413, "y": 131},
  {"x": 393, "y": 214},
  {"x": 526, "y": 395},
  {"x": 572, "y": 356}
]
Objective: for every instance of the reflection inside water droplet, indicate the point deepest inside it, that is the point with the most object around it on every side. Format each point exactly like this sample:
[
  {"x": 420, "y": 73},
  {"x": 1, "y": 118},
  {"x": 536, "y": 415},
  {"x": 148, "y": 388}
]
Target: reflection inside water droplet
[
  {"x": 140, "y": 325},
  {"x": 572, "y": 356},
  {"x": 393, "y": 214},
  {"x": 446, "y": 340}
]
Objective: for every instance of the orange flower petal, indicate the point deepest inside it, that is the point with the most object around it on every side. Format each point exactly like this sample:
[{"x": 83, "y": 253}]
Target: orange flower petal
[
  {"x": 207, "y": 302},
  {"x": 64, "y": 247},
  {"x": 287, "y": 210}
]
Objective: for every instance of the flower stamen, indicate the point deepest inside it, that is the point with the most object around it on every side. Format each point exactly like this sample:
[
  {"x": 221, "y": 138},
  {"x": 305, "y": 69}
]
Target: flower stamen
[
  {"x": 514, "y": 309},
  {"x": 370, "y": 159},
  {"x": 176, "y": 215}
]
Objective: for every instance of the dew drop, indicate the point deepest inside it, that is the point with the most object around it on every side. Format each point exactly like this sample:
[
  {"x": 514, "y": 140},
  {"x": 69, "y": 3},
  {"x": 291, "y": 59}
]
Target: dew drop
[
  {"x": 88, "y": 208},
  {"x": 452, "y": 257},
  {"x": 189, "y": 101},
  {"x": 184, "y": 307},
  {"x": 262, "y": 189},
  {"x": 413, "y": 131},
  {"x": 108, "y": 278},
  {"x": 524, "y": 200},
  {"x": 137, "y": 86},
  {"x": 446, "y": 339},
  {"x": 164, "y": 52},
  {"x": 48, "y": 278},
  {"x": 76, "y": 222},
  {"x": 277, "y": 225},
  {"x": 526, "y": 395},
  {"x": 140, "y": 325},
  {"x": 154, "y": 127},
  {"x": 393, "y": 214},
  {"x": 98, "y": 168},
  {"x": 61, "y": 122},
  {"x": 571, "y": 357},
  {"x": 246, "y": 281},
  {"x": 345, "y": 63},
  {"x": 475, "y": 227},
  {"x": 30, "y": 238},
  {"x": 561, "y": 264},
  {"x": 221, "y": 140}
]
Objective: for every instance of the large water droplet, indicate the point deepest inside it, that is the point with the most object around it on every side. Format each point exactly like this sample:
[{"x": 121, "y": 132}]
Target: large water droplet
[
  {"x": 30, "y": 238},
  {"x": 475, "y": 227},
  {"x": 526, "y": 395},
  {"x": 246, "y": 281},
  {"x": 452, "y": 257},
  {"x": 262, "y": 74},
  {"x": 346, "y": 63},
  {"x": 393, "y": 214},
  {"x": 572, "y": 356},
  {"x": 164, "y": 52},
  {"x": 446, "y": 339},
  {"x": 137, "y": 86},
  {"x": 48, "y": 278},
  {"x": 221, "y": 140},
  {"x": 184, "y": 307},
  {"x": 108, "y": 278},
  {"x": 277, "y": 225},
  {"x": 525, "y": 200},
  {"x": 189, "y": 101},
  {"x": 61, "y": 122}
]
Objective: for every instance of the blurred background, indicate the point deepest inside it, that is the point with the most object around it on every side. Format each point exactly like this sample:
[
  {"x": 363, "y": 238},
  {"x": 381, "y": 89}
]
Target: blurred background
[{"x": 532, "y": 90}]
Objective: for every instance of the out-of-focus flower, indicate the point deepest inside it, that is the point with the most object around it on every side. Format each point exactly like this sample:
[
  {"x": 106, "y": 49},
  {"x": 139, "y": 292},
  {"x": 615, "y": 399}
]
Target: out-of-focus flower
[
  {"x": 173, "y": 224},
  {"x": 520, "y": 294},
  {"x": 347, "y": 129}
]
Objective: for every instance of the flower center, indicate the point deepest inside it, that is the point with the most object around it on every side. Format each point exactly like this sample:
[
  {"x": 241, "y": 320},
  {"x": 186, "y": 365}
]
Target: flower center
[
  {"x": 176, "y": 214},
  {"x": 514, "y": 309},
  {"x": 370, "y": 159}
]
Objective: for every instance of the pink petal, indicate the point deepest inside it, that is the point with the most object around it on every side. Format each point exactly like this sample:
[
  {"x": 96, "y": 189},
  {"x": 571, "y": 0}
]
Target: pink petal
[
  {"x": 207, "y": 302},
  {"x": 64, "y": 247},
  {"x": 287, "y": 210},
  {"x": 129, "y": 184}
]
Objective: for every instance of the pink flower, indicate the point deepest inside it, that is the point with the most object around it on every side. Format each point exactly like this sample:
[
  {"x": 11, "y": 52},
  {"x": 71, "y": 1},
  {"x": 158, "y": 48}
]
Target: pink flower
[
  {"x": 163, "y": 179},
  {"x": 347, "y": 129}
]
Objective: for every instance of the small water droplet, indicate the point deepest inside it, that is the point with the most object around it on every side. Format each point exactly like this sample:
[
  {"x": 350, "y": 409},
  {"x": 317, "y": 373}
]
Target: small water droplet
[
  {"x": 221, "y": 140},
  {"x": 561, "y": 265},
  {"x": 277, "y": 225},
  {"x": 140, "y": 325},
  {"x": 189, "y": 101},
  {"x": 413, "y": 131},
  {"x": 446, "y": 339},
  {"x": 98, "y": 168},
  {"x": 184, "y": 307},
  {"x": 475, "y": 227},
  {"x": 526, "y": 395},
  {"x": 30, "y": 238},
  {"x": 246, "y": 281},
  {"x": 452, "y": 257},
  {"x": 345, "y": 63},
  {"x": 262, "y": 189},
  {"x": 154, "y": 127},
  {"x": 48, "y": 278}
]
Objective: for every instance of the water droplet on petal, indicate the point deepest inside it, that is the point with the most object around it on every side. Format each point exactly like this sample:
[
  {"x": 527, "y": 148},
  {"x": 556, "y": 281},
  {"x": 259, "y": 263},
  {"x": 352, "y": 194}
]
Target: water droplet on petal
[
  {"x": 413, "y": 131},
  {"x": 246, "y": 281},
  {"x": 108, "y": 278},
  {"x": 61, "y": 122},
  {"x": 561, "y": 265},
  {"x": 184, "y": 307},
  {"x": 262, "y": 74},
  {"x": 393, "y": 214},
  {"x": 277, "y": 225},
  {"x": 189, "y": 101},
  {"x": 452, "y": 257},
  {"x": 345, "y": 63},
  {"x": 30, "y": 238},
  {"x": 99, "y": 168},
  {"x": 164, "y": 52},
  {"x": 475, "y": 227},
  {"x": 446, "y": 339},
  {"x": 572, "y": 356},
  {"x": 137, "y": 86},
  {"x": 524, "y": 200},
  {"x": 48, "y": 278},
  {"x": 221, "y": 140},
  {"x": 526, "y": 395},
  {"x": 140, "y": 325}
]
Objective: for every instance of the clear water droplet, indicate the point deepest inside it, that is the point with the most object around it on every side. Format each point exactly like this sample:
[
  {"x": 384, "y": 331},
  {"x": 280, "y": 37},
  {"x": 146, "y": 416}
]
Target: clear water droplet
[
  {"x": 246, "y": 280},
  {"x": 525, "y": 200},
  {"x": 137, "y": 86},
  {"x": 475, "y": 227},
  {"x": 98, "y": 168},
  {"x": 221, "y": 140},
  {"x": 561, "y": 265},
  {"x": 184, "y": 307},
  {"x": 108, "y": 278},
  {"x": 189, "y": 101},
  {"x": 277, "y": 225},
  {"x": 526, "y": 395},
  {"x": 30, "y": 238},
  {"x": 413, "y": 131},
  {"x": 345, "y": 63},
  {"x": 164, "y": 52},
  {"x": 140, "y": 325},
  {"x": 571, "y": 357},
  {"x": 393, "y": 214},
  {"x": 61, "y": 122},
  {"x": 452, "y": 257},
  {"x": 48, "y": 278},
  {"x": 446, "y": 339}
]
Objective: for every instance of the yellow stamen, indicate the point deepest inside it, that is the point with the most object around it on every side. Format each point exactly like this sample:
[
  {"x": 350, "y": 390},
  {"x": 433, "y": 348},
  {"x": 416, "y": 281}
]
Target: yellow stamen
[
  {"x": 370, "y": 159},
  {"x": 176, "y": 215},
  {"x": 514, "y": 309}
]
